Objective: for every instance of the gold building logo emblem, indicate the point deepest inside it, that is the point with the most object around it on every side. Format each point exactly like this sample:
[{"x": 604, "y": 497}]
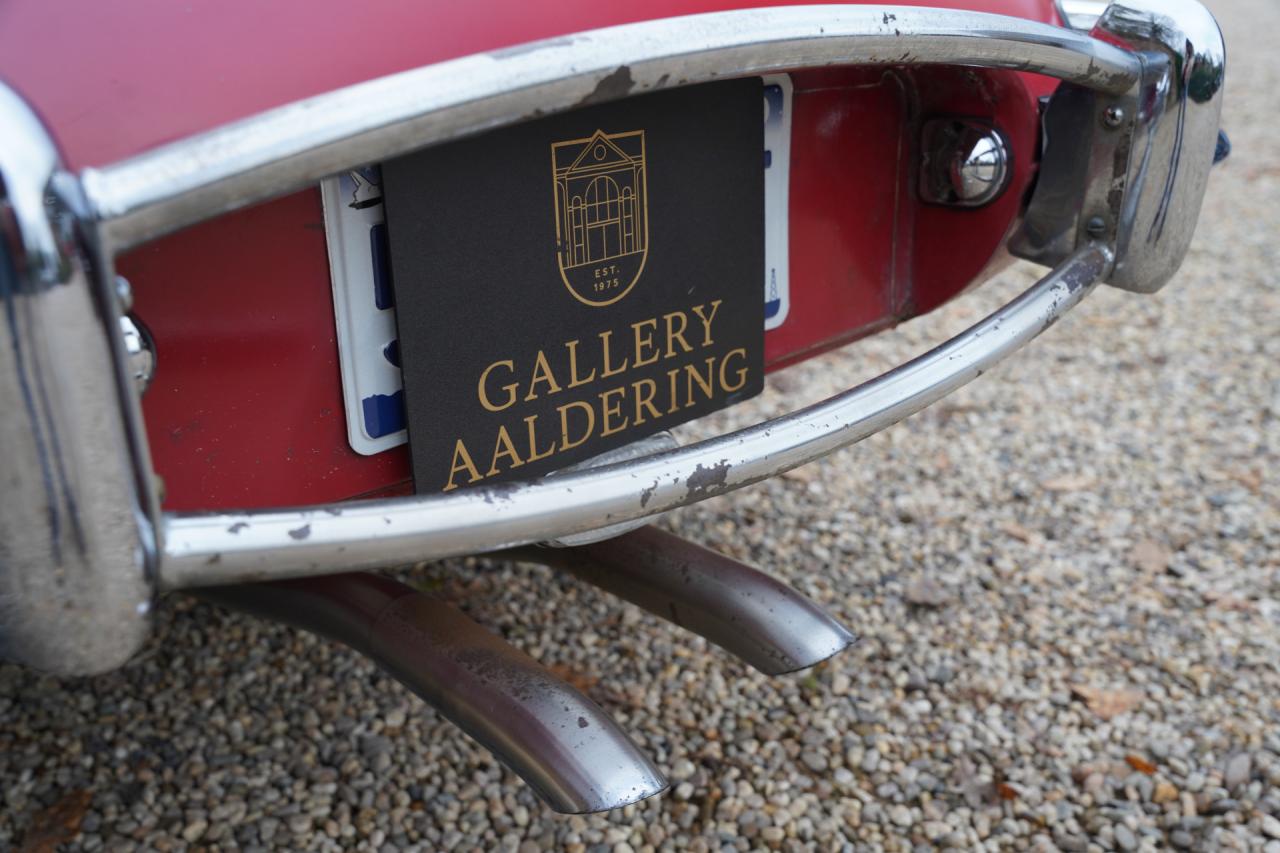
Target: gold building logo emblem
[{"x": 602, "y": 217}]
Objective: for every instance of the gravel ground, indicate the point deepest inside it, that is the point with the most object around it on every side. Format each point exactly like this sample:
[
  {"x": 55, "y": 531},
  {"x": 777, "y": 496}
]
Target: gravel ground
[{"x": 1067, "y": 579}]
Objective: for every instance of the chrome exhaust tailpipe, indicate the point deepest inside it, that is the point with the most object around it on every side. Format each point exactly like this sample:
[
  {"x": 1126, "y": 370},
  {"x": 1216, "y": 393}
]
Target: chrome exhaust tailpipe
[
  {"x": 744, "y": 611},
  {"x": 557, "y": 740}
]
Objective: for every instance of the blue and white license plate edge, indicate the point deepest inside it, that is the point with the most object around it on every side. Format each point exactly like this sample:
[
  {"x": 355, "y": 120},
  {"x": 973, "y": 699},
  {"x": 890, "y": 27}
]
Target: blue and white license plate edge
[
  {"x": 364, "y": 312},
  {"x": 777, "y": 201}
]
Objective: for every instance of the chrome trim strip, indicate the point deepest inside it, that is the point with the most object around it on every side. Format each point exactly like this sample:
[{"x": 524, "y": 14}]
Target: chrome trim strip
[
  {"x": 289, "y": 147},
  {"x": 208, "y": 549}
]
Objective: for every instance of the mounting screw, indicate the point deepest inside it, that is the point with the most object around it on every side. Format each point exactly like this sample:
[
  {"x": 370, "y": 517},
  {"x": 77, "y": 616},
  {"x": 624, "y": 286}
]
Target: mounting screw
[
  {"x": 1096, "y": 227},
  {"x": 1112, "y": 117},
  {"x": 124, "y": 293},
  {"x": 140, "y": 352}
]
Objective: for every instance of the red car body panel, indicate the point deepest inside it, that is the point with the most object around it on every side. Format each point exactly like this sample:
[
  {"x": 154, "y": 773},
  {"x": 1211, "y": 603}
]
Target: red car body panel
[
  {"x": 128, "y": 77},
  {"x": 246, "y": 407}
]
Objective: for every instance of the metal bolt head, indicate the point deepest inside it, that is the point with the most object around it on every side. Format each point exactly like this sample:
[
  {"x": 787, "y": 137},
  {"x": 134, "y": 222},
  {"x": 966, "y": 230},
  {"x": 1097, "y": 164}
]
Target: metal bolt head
[
  {"x": 966, "y": 163},
  {"x": 1096, "y": 227},
  {"x": 1112, "y": 117}
]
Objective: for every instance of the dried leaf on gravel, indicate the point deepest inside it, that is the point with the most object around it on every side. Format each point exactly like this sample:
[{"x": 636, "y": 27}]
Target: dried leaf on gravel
[
  {"x": 58, "y": 824},
  {"x": 1248, "y": 478},
  {"x": 1015, "y": 530},
  {"x": 1150, "y": 557},
  {"x": 1226, "y": 601},
  {"x": 1137, "y": 762},
  {"x": 1005, "y": 791},
  {"x": 1067, "y": 483},
  {"x": 579, "y": 680},
  {"x": 1107, "y": 703}
]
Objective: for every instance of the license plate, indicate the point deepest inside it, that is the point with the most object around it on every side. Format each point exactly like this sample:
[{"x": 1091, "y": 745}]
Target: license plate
[
  {"x": 575, "y": 283},
  {"x": 365, "y": 310}
]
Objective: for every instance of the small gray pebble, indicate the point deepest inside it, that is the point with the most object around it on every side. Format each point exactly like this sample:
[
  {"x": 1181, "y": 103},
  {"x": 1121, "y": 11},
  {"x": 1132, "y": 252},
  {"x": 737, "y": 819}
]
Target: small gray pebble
[
  {"x": 372, "y": 746},
  {"x": 683, "y": 769},
  {"x": 1124, "y": 837},
  {"x": 1237, "y": 772},
  {"x": 1070, "y": 843},
  {"x": 901, "y": 815},
  {"x": 1223, "y": 806},
  {"x": 193, "y": 831},
  {"x": 814, "y": 760}
]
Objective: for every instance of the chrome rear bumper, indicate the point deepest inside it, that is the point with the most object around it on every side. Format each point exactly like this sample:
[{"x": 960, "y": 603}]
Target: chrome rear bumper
[
  {"x": 258, "y": 545},
  {"x": 85, "y": 545}
]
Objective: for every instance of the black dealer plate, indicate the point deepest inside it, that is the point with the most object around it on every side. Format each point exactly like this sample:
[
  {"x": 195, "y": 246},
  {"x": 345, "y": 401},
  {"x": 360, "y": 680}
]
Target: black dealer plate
[{"x": 574, "y": 283}]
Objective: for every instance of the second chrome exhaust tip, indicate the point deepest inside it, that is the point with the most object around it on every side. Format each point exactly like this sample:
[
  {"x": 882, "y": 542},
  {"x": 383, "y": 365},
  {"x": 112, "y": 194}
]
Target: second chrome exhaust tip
[{"x": 741, "y": 609}]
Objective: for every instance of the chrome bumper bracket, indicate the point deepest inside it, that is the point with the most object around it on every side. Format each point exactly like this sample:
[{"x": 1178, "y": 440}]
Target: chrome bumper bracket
[
  {"x": 1131, "y": 169},
  {"x": 77, "y": 528}
]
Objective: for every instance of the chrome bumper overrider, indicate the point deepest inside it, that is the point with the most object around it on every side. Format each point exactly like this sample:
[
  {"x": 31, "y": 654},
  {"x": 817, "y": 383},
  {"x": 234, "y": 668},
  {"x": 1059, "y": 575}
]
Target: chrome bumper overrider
[{"x": 83, "y": 546}]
